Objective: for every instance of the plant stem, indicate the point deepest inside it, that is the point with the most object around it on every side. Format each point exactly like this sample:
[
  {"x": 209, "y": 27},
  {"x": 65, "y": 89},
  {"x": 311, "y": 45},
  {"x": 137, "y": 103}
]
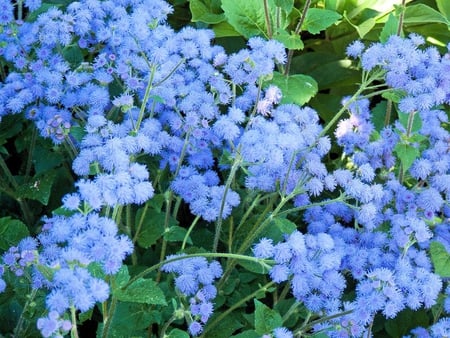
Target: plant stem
[
  {"x": 73, "y": 314},
  {"x": 401, "y": 18},
  {"x": 30, "y": 152},
  {"x": 236, "y": 165},
  {"x": 110, "y": 313},
  {"x": 267, "y": 17},
  {"x": 18, "y": 332},
  {"x": 191, "y": 227},
  {"x": 298, "y": 29}
]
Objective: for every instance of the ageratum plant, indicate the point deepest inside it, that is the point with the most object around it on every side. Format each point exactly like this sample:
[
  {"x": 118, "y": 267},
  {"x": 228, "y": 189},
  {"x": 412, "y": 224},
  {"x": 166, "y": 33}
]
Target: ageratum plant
[{"x": 173, "y": 188}]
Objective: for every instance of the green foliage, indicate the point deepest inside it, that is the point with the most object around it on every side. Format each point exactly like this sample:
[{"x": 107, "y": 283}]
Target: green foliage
[
  {"x": 11, "y": 232},
  {"x": 440, "y": 258},
  {"x": 297, "y": 88},
  {"x": 318, "y": 20},
  {"x": 207, "y": 11},
  {"x": 246, "y": 17},
  {"x": 266, "y": 319},
  {"x": 141, "y": 291}
]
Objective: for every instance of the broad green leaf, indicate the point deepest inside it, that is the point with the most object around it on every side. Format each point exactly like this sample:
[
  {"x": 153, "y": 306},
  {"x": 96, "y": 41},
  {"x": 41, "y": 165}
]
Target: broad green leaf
[
  {"x": 297, "y": 88},
  {"x": 201, "y": 12},
  {"x": 423, "y": 14},
  {"x": 77, "y": 132},
  {"x": 247, "y": 334},
  {"x": 38, "y": 187},
  {"x": 177, "y": 333},
  {"x": 290, "y": 41},
  {"x": 131, "y": 320},
  {"x": 226, "y": 327},
  {"x": 278, "y": 227},
  {"x": 407, "y": 154},
  {"x": 285, "y": 5},
  {"x": 254, "y": 267},
  {"x": 444, "y": 7},
  {"x": 405, "y": 321},
  {"x": 247, "y": 17},
  {"x": 365, "y": 27},
  {"x": 150, "y": 225},
  {"x": 378, "y": 115},
  {"x": 176, "y": 233},
  {"x": 122, "y": 277},
  {"x": 440, "y": 258},
  {"x": 10, "y": 126},
  {"x": 224, "y": 29},
  {"x": 73, "y": 55},
  {"x": 11, "y": 232},
  {"x": 318, "y": 20},
  {"x": 395, "y": 95},
  {"x": 266, "y": 319},
  {"x": 141, "y": 291},
  {"x": 390, "y": 28},
  {"x": 52, "y": 159}
]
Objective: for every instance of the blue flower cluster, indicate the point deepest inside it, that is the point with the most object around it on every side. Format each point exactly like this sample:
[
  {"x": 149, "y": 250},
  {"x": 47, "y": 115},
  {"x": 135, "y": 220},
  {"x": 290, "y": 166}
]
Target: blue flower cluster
[
  {"x": 59, "y": 261},
  {"x": 381, "y": 234},
  {"x": 195, "y": 279},
  {"x": 311, "y": 263},
  {"x": 286, "y": 150}
]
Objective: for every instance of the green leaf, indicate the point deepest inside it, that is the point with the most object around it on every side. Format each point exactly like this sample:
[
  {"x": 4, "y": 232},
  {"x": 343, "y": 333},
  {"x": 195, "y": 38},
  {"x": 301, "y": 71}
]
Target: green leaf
[
  {"x": 131, "y": 320},
  {"x": 285, "y": 5},
  {"x": 176, "y": 233},
  {"x": 10, "y": 126},
  {"x": 395, "y": 95},
  {"x": 389, "y": 28},
  {"x": 38, "y": 188},
  {"x": 77, "y": 132},
  {"x": 278, "y": 227},
  {"x": 407, "y": 154},
  {"x": 247, "y": 17},
  {"x": 254, "y": 267},
  {"x": 297, "y": 88},
  {"x": 11, "y": 232},
  {"x": 73, "y": 55},
  {"x": 151, "y": 225},
  {"x": 318, "y": 20},
  {"x": 177, "y": 333},
  {"x": 290, "y": 41},
  {"x": 365, "y": 27},
  {"x": 141, "y": 291},
  {"x": 266, "y": 319},
  {"x": 405, "y": 321},
  {"x": 52, "y": 159},
  {"x": 444, "y": 7},
  {"x": 224, "y": 29},
  {"x": 423, "y": 14},
  {"x": 440, "y": 258},
  {"x": 247, "y": 334},
  {"x": 201, "y": 12}
]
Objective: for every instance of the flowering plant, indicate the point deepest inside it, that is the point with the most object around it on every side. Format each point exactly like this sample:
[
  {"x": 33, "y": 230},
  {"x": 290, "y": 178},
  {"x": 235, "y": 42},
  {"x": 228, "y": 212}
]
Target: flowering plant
[{"x": 157, "y": 183}]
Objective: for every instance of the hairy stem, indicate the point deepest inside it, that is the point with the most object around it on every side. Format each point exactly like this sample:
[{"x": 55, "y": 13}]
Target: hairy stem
[
  {"x": 298, "y": 29},
  {"x": 267, "y": 18},
  {"x": 236, "y": 165}
]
